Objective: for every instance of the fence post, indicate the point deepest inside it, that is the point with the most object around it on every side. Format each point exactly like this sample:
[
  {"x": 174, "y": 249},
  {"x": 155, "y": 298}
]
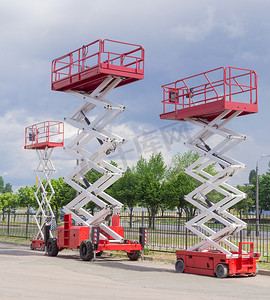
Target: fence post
[
  {"x": 241, "y": 232},
  {"x": 142, "y": 219},
  {"x": 8, "y": 221},
  {"x": 27, "y": 223},
  {"x": 186, "y": 232}
]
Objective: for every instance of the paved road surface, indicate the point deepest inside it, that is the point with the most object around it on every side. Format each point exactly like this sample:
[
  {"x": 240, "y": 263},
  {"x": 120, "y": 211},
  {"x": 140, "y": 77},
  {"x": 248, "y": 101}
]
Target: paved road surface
[{"x": 27, "y": 274}]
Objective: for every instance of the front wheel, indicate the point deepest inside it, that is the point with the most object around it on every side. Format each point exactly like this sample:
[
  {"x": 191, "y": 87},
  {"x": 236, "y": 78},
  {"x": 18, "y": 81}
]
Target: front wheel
[
  {"x": 135, "y": 255},
  {"x": 221, "y": 271},
  {"x": 86, "y": 250},
  {"x": 52, "y": 248},
  {"x": 180, "y": 266}
]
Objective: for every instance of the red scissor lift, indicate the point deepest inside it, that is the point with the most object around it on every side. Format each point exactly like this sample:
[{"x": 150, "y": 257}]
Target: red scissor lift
[
  {"x": 44, "y": 137},
  {"x": 211, "y": 100},
  {"x": 90, "y": 73}
]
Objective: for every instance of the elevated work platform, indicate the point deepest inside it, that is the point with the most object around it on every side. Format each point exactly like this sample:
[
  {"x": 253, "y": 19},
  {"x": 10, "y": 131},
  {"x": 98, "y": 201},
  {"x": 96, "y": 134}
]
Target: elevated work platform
[
  {"x": 44, "y": 137},
  {"x": 208, "y": 94},
  {"x": 90, "y": 74},
  {"x": 211, "y": 100},
  {"x": 49, "y": 134},
  {"x": 86, "y": 68}
]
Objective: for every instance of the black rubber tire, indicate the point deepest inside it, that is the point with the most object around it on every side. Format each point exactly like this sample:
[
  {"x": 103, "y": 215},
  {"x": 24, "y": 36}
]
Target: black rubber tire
[
  {"x": 32, "y": 246},
  {"x": 99, "y": 253},
  {"x": 52, "y": 248},
  {"x": 222, "y": 271},
  {"x": 180, "y": 266},
  {"x": 135, "y": 255},
  {"x": 86, "y": 250}
]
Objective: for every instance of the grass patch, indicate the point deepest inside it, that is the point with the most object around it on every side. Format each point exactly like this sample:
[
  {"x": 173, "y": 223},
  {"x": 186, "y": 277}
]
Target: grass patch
[
  {"x": 15, "y": 240},
  {"x": 264, "y": 266}
]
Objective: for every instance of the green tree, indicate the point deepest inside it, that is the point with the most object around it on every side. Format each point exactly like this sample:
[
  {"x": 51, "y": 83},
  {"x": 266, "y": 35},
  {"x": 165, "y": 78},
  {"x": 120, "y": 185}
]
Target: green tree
[
  {"x": 124, "y": 190},
  {"x": 26, "y": 197},
  {"x": 6, "y": 196},
  {"x": 151, "y": 174},
  {"x": 149, "y": 196},
  {"x": 7, "y": 201},
  {"x": 264, "y": 192},
  {"x": 180, "y": 162},
  {"x": 167, "y": 195},
  {"x": 8, "y": 188},
  {"x": 2, "y": 186},
  {"x": 13, "y": 200},
  {"x": 183, "y": 184},
  {"x": 252, "y": 176},
  {"x": 245, "y": 205},
  {"x": 63, "y": 194},
  {"x": 155, "y": 167},
  {"x": 3, "y": 204},
  {"x": 5, "y": 188}
]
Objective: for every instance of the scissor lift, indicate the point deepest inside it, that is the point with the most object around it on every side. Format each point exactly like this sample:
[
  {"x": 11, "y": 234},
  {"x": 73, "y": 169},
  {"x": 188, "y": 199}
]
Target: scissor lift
[
  {"x": 44, "y": 137},
  {"x": 89, "y": 74},
  {"x": 211, "y": 100}
]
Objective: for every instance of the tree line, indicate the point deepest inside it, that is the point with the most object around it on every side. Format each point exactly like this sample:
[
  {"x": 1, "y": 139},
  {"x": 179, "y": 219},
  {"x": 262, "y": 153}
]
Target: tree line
[{"x": 150, "y": 184}]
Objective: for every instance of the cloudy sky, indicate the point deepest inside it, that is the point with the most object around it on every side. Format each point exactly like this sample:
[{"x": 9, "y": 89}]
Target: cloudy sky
[{"x": 181, "y": 38}]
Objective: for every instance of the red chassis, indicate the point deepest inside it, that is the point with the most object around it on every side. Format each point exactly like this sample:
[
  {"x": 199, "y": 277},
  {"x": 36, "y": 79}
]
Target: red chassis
[
  {"x": 215, "y": 263},
  {"x": 88, "y": 242}
]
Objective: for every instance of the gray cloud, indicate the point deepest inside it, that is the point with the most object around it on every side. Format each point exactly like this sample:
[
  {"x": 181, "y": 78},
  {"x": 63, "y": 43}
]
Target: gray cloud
[{"x": 181, "y": 38}]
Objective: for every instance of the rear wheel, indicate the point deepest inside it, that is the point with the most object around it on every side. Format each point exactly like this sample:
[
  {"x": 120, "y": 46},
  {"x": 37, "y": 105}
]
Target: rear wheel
[
  {"x": 180, "y": 266},
  {"x": 135, "y": 255},
  {"x": 86, "y": 250},
  {"x": 52, "y": 247},
  {"x": 221, "y": 271}
]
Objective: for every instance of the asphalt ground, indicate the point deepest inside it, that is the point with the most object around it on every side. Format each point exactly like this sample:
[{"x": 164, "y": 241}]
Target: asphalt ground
[{"x": 28, "y": 274}]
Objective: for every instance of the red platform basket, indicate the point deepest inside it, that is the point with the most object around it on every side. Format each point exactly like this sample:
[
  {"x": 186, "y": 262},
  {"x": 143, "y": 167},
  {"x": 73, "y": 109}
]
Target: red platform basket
[
  {"x": 85, "y": 68},
  {"x": 208, "y": 94},
  {"x": 45, "y": 134}
]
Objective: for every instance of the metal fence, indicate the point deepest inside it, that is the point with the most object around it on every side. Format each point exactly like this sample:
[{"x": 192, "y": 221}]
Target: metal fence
[
  {"x": 166, "y": 232},
  {"x": 17, "y": 225}
]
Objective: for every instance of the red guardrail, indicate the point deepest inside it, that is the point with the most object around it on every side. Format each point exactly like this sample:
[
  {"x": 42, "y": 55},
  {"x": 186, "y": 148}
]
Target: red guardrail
[
  {"x": 102, "y": 53},
  {"x": 48, "y": 133},
  {"x": 224, "y": 83}
]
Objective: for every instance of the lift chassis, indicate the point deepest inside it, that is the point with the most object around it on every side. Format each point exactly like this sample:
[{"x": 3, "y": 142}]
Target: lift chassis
[{"x": 210, "y": 107}]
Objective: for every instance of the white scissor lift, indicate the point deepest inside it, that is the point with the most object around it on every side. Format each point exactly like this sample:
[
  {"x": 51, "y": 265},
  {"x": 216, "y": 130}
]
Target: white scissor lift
[
  {"x": 44, "y": 137},
  {"x": 89, "y": 74},
  {"x": 211, "y": 100},
  {"x": 106, "y": 143}
]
